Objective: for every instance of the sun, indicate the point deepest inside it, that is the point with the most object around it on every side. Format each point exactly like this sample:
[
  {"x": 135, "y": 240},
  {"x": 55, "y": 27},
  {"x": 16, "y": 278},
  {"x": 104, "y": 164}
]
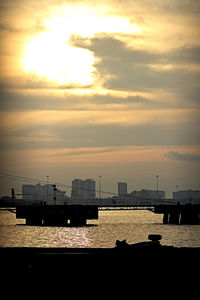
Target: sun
[{"x": 49, "y": 54}]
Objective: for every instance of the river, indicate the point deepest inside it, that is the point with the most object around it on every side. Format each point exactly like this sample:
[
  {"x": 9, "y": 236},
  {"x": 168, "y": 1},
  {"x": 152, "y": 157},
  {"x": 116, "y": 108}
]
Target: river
[{"x": 133, "y": 226}]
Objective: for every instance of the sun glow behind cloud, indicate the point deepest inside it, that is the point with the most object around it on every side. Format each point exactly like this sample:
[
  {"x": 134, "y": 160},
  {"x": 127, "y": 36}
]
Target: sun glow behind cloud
[{"x": 49, "y": 54}]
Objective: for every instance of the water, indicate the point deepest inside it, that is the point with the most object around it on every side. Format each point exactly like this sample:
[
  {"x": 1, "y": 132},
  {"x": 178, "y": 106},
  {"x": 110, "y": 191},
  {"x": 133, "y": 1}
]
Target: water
[{"x": 134, "y": 226}]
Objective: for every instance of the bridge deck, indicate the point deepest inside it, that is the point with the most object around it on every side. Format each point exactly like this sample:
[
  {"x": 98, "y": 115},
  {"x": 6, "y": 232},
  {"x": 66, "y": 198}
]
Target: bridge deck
[
  {"x": 78, "y": 214},
  {"x": 104, "y": 208}
]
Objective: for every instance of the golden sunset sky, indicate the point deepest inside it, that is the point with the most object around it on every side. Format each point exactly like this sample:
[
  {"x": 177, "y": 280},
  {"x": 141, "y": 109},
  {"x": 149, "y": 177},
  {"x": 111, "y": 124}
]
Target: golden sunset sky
[{"x": 106, "y": 88}]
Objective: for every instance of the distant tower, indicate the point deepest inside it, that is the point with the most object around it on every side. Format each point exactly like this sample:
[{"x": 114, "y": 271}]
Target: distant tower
[
  {"x": 77, "y": 189},
  {"x": 83, "y": 189},
  {"x": 90, "y": 187},
  {"x": 122, "y": 188}
]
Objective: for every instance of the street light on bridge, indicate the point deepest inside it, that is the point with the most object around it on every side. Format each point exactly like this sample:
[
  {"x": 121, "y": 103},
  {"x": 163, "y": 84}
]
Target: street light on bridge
[
  {"x": 157, "y": 176},
  {"x": 99, "y": 186}
]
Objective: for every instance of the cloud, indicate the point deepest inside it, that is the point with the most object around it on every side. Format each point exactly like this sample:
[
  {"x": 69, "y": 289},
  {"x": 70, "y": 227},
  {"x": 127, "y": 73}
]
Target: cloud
[
  {"x": 23, "y": 100},
  {"x": 86, "y": 151},
  {"x": 62, "y": 135},
  {"x": 168, "y": 7},
  {"x": 123, "y": 67},
  {"x": 31, "y": 81},
  {"x": 185, "y": 55},
  {"x": 175, "y": 155}
]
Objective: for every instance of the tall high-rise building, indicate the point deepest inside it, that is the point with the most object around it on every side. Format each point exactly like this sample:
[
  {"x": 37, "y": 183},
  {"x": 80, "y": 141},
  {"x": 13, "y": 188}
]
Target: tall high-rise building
[
  {"x": 83, "y": 189},
  {"x": 77, "y": 188},
  {"x": 90, "y": 189},
  {"x": 122, "y": 188}
]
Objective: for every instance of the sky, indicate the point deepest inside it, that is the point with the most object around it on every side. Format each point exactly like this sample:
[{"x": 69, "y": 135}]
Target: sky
[{"x": 110, "y": 88}]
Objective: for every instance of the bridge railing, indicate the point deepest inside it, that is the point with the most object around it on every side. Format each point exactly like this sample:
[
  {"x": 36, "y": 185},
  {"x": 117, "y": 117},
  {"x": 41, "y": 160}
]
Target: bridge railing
[{"x": 120, "y": 202}]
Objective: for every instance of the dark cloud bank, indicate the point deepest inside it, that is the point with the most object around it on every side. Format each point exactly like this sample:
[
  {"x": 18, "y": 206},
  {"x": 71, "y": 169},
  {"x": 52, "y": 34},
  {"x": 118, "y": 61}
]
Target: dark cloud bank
[
  {"x": 175, "y": 155},
  {"x": 131, "y": 68},
  {"x": 99, "y": 135}
]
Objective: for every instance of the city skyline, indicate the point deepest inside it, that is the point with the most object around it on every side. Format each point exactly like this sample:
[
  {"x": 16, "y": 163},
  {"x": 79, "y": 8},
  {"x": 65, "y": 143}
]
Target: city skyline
[
  {"x": 109, "y": 88},
  {"x": 88, "y": 188},
  {"x": 84, "y": 192}
]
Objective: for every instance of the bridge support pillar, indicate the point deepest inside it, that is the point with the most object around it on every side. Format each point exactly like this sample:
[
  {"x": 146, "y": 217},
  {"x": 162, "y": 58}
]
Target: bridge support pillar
[
  {"x": 35, "y": 221},
  {"x": 78, "y": 221},
  {"x": 55, "y": 220},
  {"x": 165, "y": 218},
  {"x": 174, "y": 218},
  {"x": 189, "y": 218}
]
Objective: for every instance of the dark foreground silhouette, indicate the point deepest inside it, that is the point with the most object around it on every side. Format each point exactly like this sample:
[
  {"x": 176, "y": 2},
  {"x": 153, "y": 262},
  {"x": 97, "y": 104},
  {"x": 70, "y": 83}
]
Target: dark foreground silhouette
[{"x": 137, "y": 259}]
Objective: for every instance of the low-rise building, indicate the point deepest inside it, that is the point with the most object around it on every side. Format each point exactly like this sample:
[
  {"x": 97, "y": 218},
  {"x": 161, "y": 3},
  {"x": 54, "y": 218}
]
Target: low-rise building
[
  {"x": 149, "y": 194},
  {"x": 43, "y": 193},
  {"x": 187, "y": 196}
]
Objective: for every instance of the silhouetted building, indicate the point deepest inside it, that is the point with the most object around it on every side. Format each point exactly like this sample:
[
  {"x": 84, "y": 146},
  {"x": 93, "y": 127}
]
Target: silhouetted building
[
  {"x": 122, "y": 189},
  {"x": 83, "y": 189},
  {"x": 187, "y": 196},
  {"x": 43, "y": 193},
  {"x": 149, "y": 194}
]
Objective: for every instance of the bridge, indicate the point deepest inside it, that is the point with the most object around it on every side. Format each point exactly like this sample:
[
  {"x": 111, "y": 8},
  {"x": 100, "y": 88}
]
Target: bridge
[
  {"x": 173, "y": 212},
  {"x": 77, "y": 211}
]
